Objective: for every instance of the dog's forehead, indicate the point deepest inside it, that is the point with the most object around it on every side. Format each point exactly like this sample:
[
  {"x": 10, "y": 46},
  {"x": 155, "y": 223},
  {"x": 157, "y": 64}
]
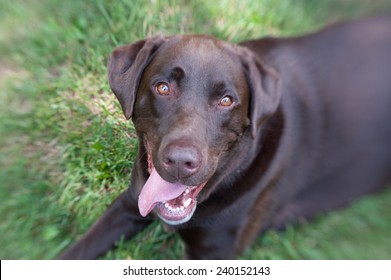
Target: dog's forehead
[
  {"x": 197, "y": 52},
  {"x": 199, "y": 47},
  {"x": 203, "y": 60}
]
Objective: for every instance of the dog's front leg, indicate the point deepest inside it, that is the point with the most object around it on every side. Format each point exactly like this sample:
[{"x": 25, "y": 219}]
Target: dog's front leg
[
  {"x": 120, "y": 219},
  {"x": 216, "y": 243}
]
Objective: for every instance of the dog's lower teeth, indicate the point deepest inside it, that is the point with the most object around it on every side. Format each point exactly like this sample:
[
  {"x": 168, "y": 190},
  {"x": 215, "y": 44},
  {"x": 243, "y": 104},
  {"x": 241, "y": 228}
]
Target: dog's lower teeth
[
  {"x": 173, "y": 208},
  {"x": 187, "y": 202}
]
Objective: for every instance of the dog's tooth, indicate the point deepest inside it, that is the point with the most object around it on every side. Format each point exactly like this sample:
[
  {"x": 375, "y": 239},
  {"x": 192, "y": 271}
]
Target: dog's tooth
[
  {"x": 187, "y": 191},
  {"x": 168, "y": 206},
  {"x": 187, "y": 202}
]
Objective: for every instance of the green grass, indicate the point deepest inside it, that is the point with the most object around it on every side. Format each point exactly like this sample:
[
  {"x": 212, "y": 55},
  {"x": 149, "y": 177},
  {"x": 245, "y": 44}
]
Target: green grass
[{"x": 66, "y": 151}]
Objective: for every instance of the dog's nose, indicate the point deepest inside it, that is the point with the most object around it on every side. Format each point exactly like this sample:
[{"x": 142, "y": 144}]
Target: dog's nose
[{"x": 181, "y": 161}]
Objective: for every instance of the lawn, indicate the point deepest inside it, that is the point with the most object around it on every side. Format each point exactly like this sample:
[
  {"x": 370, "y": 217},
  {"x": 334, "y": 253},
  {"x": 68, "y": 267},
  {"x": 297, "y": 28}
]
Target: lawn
[{"x": 66, "y": 151}]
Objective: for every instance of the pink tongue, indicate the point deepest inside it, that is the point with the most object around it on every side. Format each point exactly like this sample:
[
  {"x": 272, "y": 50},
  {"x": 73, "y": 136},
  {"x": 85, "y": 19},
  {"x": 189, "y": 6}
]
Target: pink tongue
[{"x": 157, "y": 190}]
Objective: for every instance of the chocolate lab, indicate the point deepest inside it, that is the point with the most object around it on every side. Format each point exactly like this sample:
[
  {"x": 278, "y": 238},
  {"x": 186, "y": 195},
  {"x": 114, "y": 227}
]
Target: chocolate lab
[{"x": 237, "y": 139}]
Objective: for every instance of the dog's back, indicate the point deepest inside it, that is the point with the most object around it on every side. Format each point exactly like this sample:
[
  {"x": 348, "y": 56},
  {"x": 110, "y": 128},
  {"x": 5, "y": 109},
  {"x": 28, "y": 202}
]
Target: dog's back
[{"x": 337, "y": 103}]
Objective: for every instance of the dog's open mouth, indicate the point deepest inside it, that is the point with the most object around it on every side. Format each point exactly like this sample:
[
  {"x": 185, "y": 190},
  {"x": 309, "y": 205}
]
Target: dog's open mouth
[{"x": 174, "y": 203}]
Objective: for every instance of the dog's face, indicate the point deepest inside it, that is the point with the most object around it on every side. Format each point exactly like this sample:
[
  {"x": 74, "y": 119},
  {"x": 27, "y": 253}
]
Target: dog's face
[
  {"x": 190, "y": 104},
  {"x": 191, "y": 107}
]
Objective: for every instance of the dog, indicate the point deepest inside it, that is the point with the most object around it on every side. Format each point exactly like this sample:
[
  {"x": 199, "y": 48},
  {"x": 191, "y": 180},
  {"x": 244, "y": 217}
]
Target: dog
[{"x": 238, "y": 139}]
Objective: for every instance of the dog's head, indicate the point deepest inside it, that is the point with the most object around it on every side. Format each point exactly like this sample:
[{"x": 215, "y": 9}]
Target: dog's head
[{"x": 191, "y": 99}]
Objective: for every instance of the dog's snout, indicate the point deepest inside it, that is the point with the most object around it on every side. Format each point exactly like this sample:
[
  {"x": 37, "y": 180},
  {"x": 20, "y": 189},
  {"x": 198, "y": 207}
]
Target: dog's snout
[{"x": 181, "y": 161}]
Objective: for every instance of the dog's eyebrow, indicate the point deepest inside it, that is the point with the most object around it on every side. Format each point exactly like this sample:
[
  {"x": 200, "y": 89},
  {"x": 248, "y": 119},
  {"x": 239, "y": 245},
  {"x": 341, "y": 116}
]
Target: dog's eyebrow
[
  {"x": 177, "y": 73},
  {"x": 218, "y": 87}
]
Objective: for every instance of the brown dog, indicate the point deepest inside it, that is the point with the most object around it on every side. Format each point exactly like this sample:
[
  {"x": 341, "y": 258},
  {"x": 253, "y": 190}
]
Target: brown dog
[{"x": 236, "y": 139}]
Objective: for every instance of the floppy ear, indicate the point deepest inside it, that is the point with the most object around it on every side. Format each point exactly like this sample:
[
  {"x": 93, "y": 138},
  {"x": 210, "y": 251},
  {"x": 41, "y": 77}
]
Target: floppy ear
[
  {"x": 264, "y": 85},
  {"x": 125, "y": 67}
]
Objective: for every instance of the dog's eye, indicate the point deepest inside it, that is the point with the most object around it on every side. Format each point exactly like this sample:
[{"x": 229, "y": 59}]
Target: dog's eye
[
  {"x": 162, "y": 88},
  {"x": 226, "y": 101}
]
